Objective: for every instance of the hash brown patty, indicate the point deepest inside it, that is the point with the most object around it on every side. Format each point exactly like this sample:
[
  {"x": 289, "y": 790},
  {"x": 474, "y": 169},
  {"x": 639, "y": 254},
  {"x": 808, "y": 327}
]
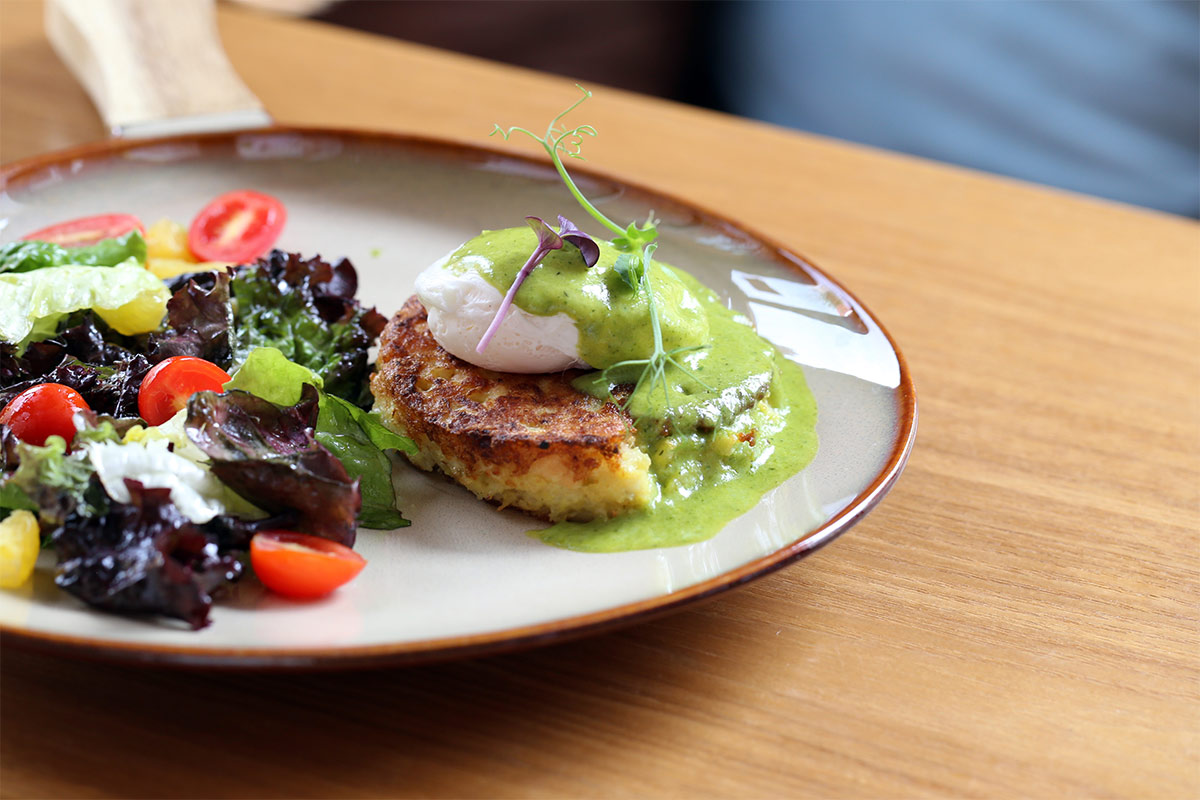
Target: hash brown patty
[{"x": 533, "y": 442}]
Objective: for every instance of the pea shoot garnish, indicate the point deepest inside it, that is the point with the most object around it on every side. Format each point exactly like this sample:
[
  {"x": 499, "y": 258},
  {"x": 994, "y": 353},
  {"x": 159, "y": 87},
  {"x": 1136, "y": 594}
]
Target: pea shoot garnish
[{"x": 635, "y": 266}]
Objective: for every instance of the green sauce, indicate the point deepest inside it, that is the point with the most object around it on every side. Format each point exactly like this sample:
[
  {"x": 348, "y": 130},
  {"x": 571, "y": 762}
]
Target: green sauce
[
  {"x": 717, "y": 446},
  {"x": 613, "y": 320},
  {"x": 705, "y": 481}
]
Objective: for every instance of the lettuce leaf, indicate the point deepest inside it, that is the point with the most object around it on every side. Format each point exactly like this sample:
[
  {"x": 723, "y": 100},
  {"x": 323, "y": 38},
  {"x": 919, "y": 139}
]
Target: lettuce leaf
[
  {"x": 58, "y": 483},
  {"x": 351, "y": 435},
  {"x": 268, "y": 373},
  {"x": 306, "y": 308},
  {"x": 26, "y": 256},
  {"x": 126, "y": 296},
  {"x": 199, "y": 320},
  {"x": 84, "y": 356},
  {"x": 144, "y": 556},
  {"x": 13, "y": 498},
  {"x": 194, "y": 490},
  {"x": 268, "y": 455},
  {"x": 356, "y": 437},
  {"x": 108, "y": 390}
]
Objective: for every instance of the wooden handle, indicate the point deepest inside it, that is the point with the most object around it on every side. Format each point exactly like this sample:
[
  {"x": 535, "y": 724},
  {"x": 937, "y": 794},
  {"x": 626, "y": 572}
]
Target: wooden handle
[{"x": 152, "y": 67}]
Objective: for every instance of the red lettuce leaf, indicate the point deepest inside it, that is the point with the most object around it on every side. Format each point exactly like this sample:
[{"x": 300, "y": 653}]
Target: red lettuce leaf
[
  {"x": 88, "y": 357},
  {"x": 268, "y": 455},
  {"x": 143, "y": 557},
  {"x": 199, "y": 318}
]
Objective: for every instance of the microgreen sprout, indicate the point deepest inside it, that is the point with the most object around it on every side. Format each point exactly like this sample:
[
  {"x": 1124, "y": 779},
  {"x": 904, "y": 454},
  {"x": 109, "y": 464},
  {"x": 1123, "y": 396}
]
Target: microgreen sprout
[
  {"x": 637, "y": 242},
  {"x": 548, "y": 240}
]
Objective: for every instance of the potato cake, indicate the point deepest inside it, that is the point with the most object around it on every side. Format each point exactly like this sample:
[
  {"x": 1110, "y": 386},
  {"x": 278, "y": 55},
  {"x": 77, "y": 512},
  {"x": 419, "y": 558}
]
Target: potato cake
[{"x": 532, "y": 442}]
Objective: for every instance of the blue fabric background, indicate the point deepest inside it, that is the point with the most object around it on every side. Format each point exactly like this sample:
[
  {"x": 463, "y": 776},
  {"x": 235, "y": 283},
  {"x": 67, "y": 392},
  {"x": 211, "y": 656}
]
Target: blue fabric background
[{"x": 1101, "y": 97}]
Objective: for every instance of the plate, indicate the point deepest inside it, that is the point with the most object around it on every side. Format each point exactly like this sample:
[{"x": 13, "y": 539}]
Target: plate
[{"x": 465, "y": 579}]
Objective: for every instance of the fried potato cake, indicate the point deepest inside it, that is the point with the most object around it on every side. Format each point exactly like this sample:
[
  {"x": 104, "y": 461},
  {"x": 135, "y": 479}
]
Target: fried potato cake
[{"x": 532, "y": 442}]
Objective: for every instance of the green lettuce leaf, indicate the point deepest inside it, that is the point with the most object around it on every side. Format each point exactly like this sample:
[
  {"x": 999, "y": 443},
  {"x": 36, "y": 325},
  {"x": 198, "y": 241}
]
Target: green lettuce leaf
[
  {"x": 350, "y": 434},
  {"x": 26, "y": 256},
  {"x": 13, "y": 498},
  {"x": 380, "y": 435},
  {"x": 126, "y": 296},
  {"x": 306, "y": 308},
  {"x": 268, "y": 373}
]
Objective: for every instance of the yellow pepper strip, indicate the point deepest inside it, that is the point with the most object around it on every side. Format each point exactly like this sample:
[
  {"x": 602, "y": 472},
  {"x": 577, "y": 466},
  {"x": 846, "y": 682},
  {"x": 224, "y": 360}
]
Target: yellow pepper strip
[
  {"x": 20, "y": 541},
  {"x": 170, "y": 267},
  {"x": 168, "y": 239}
]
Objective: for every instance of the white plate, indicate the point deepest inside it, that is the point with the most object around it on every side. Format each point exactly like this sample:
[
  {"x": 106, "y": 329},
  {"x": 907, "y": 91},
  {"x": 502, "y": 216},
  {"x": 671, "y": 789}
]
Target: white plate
[{"x": 465, "y": 578}]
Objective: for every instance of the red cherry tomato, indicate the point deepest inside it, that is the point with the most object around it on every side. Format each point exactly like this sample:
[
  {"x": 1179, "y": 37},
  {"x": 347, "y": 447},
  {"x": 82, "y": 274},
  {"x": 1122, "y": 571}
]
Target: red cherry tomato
[
  {"x": 42, "y": 411},
  {"x": 300, "y": 566},
  {"x": 238, "y": 226},
  {"x": 168, "y": 386},
  {"x": 87, "y": 230}
]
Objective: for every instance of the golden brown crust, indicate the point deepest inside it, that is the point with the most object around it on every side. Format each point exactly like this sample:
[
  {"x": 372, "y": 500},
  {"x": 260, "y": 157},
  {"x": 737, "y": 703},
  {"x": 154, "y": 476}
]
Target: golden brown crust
[{"x": 472, "y": 422}]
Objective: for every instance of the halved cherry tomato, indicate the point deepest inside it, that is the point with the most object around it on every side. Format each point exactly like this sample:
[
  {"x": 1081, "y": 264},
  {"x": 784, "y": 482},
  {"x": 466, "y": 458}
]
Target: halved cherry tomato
[
  {"x": 168, "y": 386},
  {"x": 42, "y": 411},
  {"x": 301, "y": 566},
  {"x": 87, "y": 230},
  {"x": 238, "y": 226}
]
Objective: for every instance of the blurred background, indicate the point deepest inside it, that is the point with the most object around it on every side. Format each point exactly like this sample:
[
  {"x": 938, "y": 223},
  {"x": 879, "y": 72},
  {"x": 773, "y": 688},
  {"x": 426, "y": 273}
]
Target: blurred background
[{"x": 1096, "y": 96}]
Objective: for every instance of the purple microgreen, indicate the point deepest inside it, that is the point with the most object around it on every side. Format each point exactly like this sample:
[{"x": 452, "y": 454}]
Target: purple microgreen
[
  {"x": 586, "y": 244},
  {"x": 547, "y": 240}
]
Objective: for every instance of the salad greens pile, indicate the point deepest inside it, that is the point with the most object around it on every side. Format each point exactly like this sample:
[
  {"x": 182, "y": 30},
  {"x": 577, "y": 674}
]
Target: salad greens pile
[
  {"x": 305, "y": 308},
  {"x": 157, "y": 519}
]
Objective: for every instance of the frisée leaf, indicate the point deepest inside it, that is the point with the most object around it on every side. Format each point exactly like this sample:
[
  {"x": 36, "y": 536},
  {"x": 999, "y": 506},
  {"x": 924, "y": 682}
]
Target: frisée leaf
[{"x": 58, "y": 483}]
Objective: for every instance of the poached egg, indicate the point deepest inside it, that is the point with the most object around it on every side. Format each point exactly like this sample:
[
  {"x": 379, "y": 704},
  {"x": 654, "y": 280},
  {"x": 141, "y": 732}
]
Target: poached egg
[{"x": 460, "y": 308}]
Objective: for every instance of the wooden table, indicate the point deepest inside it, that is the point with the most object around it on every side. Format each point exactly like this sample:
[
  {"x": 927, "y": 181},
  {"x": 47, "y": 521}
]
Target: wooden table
[{"x": 1018, "y": 618}]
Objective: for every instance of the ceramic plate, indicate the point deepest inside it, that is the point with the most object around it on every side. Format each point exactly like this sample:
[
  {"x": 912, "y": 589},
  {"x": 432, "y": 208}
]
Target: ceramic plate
[{"x": 465, "y": 578}]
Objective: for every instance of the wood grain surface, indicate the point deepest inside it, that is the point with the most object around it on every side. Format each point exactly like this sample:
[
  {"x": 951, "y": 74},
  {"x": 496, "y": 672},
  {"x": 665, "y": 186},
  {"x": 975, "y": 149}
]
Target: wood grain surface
[
  {"x": 1018, "y": 619},
  {"x": 143, "y": 61}
]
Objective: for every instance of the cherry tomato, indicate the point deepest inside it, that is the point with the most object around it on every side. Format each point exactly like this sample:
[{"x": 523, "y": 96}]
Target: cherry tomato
[
  {"x": 42, "y": 411},
  {"x": 168, "y": 386},
  {"x": 87, "y": 230},
  {"x": 238, "y": 227},
  {"x": 301, "y": 566}
]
